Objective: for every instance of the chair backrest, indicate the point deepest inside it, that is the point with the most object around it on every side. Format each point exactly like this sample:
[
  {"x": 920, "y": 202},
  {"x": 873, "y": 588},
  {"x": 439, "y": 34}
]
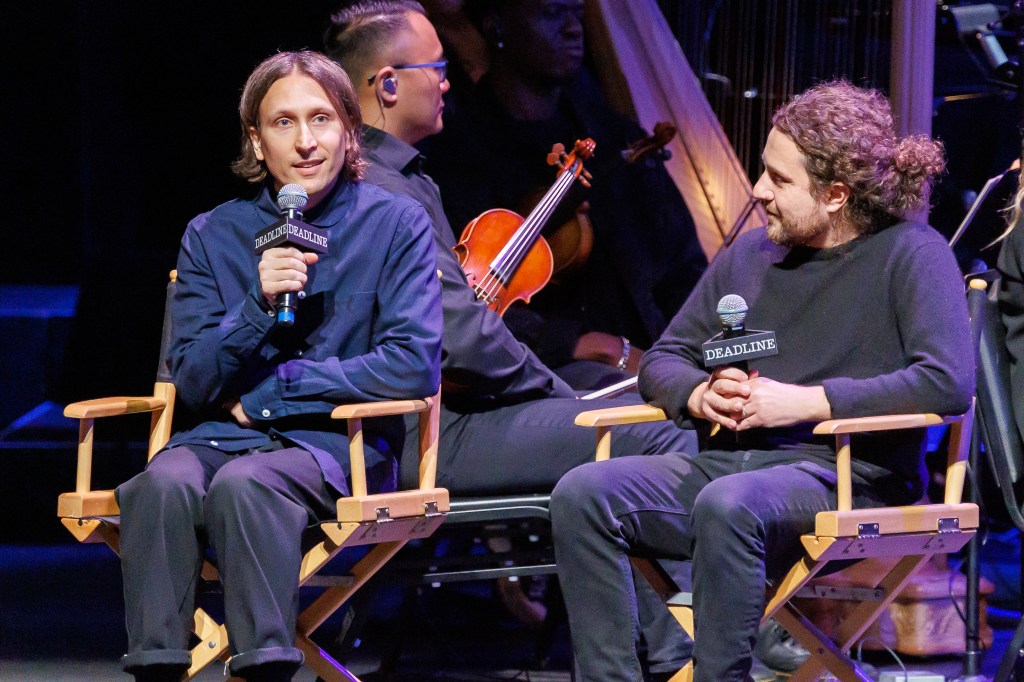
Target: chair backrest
[
  {"x": 163, "y": 368},
  {"x": 163, "y": 387},
  {"x": 995, "y": 410}
]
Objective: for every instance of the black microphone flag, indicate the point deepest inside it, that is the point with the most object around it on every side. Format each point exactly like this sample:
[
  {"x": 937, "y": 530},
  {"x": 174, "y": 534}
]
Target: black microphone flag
[
  {"x": 291, "y": 231},
  {"x": 735, "y": 344}
]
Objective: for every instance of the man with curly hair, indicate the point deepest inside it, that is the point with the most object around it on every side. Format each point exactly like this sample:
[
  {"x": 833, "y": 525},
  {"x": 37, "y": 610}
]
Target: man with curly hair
[{"x": 870, "y": 317}]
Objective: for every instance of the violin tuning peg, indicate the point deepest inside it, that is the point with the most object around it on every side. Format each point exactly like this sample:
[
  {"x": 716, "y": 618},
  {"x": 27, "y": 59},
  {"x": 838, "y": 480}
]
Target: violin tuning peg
[{"x": 552, "y": 159}]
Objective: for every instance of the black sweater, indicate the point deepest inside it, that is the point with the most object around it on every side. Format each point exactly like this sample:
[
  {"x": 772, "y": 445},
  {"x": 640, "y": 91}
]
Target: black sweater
[{"x": 880, "y": 322}]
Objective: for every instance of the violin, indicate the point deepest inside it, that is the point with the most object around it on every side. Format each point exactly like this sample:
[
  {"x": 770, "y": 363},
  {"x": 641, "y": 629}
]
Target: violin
[{"x": 504, "y": 256}]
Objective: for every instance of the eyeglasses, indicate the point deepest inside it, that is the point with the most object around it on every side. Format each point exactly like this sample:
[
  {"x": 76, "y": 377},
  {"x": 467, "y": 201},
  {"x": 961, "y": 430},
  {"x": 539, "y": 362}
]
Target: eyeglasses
[{"x": 440, "y": 67}]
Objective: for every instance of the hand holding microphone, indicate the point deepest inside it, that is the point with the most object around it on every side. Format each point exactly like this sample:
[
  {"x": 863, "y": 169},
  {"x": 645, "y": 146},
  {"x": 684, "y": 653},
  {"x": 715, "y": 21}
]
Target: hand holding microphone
[
  {"x": 738, "y": 398},
  {"x": 288, "y": 246},
  {"x": 723, "y": 397}
]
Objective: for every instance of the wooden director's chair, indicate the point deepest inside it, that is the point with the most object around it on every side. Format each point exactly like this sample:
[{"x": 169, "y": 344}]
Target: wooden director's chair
[
  {"x": 386, "y": 520},
  {"x": 908, "y": 535}
]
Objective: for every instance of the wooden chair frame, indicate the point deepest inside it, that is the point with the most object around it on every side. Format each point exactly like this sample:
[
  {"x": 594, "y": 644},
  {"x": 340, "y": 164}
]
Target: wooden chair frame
[
  {"x": 913, "y": 533},
  {"x": 386, "y": 520}
]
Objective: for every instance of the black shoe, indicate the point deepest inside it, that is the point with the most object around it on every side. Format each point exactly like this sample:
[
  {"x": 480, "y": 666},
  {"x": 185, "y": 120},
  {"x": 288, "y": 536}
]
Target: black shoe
[{"x": 777, "y": 649}]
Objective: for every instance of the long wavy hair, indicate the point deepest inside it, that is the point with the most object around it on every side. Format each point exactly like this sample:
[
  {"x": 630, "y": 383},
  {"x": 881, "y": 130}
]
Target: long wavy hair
[
  {"x": 846, "y": 134},
  {"x": 336, "y": 85}
]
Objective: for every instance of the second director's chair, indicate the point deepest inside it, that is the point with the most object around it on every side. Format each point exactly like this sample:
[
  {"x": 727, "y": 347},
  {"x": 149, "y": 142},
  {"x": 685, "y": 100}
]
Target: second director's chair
[
  {"x": 908, "y": 535},
  {"x": 387, "y": 521}
]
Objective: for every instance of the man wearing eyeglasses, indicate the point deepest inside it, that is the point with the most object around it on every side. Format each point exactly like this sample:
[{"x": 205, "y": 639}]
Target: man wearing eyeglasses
[{"x": 506, "y": 420}]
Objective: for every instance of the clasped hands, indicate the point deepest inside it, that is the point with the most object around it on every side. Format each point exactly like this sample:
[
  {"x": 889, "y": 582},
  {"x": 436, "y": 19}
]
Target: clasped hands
[{"x": 740, "y": 401}]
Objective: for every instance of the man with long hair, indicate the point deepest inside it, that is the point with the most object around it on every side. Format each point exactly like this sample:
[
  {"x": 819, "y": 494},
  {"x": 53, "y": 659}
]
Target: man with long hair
[
  {"x": 256, "y": 458},
  {"x": 870, "y": 317}
]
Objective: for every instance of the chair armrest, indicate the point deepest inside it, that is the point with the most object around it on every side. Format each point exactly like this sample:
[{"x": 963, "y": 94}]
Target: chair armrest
[
  {"x": 382, "y": 408},
  {"x": 626, "y": 414},
  {"x": 160, "y": 405},
  {"x": 842, "y": 428},
  {"x": 604, "y": 419},
  {"x": 429, "y": 411},
  {"x": 113, "y": 407},
  {"x": 886, "y": 422}
]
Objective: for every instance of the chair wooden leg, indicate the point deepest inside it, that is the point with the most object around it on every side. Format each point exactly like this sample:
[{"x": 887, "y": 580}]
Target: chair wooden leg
[
  {"x": 799, "y": 575},
  {"x": 321, "y": 663},
  {"x": 213, "y": 642},
  {"x": 852, "y": 628},
  {"x": 685, "y": 674},
  {"x": 333, "y": 597},
  {"x": 861, "y": 618},
  {"x": 824, "y": 654}
]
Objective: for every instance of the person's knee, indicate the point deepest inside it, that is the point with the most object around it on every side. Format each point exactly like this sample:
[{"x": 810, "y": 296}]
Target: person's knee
[
  {"x": 160, "y": 488},
  {"x": 234, "y": 485},
  {"x": 580, "y": 492},
  {"x": 727, "y": 506}
]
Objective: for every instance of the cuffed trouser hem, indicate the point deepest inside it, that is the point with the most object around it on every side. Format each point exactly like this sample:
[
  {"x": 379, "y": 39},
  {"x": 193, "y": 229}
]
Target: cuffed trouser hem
[
  {"x": 662, "y": 668},
  {"x": 131, "y": 663},
  {"x": 276, "y": 654}
]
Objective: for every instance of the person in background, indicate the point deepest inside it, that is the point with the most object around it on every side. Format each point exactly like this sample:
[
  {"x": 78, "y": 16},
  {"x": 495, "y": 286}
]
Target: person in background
[{"x": 592, "y": 322}]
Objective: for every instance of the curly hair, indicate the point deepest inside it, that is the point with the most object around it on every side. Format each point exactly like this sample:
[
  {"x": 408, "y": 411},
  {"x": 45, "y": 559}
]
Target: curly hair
[
  {"x": 846, "y": 134},
  {"x": 338, "y": 88}
]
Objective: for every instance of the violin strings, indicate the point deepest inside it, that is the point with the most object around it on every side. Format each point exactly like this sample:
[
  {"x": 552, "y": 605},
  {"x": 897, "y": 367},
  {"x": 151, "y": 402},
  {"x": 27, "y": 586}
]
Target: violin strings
[
  {"x": 511, "y": 254},
  {"x": 506, "y": 263}
]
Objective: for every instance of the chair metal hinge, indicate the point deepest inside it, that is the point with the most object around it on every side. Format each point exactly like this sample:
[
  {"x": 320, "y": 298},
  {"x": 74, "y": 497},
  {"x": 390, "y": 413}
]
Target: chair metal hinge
[
  {"x": 384, "y": 515},
  {"x": 867, "y": 530},
  {"x": 430, "y": 508},
  {"x": 949, "y": 525}
]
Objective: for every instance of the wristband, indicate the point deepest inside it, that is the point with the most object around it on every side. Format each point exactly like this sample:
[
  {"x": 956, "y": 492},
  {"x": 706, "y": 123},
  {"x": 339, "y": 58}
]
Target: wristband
[{"x": 624, "y": 360}]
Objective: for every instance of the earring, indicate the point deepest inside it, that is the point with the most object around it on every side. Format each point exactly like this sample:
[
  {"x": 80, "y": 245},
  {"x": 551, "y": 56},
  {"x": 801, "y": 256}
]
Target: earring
[{"x": 497, "y": 35}]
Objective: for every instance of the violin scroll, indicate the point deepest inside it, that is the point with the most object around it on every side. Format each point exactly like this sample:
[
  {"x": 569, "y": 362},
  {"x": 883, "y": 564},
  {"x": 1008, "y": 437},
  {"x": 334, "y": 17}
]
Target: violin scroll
[
  {"x": 653, "y": 145},
  {"x": 573, "y": 161}
]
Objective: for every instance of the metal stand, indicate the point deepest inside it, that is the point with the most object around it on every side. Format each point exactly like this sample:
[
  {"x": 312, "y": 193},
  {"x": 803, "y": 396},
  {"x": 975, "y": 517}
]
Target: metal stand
[{"x": 973, "y": 651}]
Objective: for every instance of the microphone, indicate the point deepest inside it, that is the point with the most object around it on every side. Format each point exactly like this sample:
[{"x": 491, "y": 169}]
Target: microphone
[
  {"x": 732, "y": 312},
  {"x": 291, "y": 231},
  {"x": 734, "y": 345}
]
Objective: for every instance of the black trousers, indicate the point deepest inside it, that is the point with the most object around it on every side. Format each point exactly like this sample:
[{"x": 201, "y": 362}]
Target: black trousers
[
  {"x": 737, "y": 515},
  {"x": 527, "y": 448},
  {"x": 251, "y": 509}
]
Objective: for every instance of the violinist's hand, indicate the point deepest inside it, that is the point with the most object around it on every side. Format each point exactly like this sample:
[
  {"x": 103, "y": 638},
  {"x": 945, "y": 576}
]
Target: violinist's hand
[
  {"x": 606, "y": 348},
  {"x": 773, "y": 403},
  {"x": 283, "y": 269},
  {"x": 721, "y": 398}
]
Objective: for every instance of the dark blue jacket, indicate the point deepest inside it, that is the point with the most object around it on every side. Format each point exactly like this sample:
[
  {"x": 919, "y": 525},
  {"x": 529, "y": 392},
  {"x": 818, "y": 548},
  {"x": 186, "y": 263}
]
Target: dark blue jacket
[{"x": 368, "y": 329}]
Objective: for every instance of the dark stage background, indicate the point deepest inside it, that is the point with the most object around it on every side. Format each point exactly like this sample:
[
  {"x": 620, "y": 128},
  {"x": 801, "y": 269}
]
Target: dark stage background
[{"x": 120, "y": 124}]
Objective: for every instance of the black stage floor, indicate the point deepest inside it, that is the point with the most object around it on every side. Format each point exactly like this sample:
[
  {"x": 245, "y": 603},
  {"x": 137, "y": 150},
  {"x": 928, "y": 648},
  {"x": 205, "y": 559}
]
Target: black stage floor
[{"x": 61, "y": 618}]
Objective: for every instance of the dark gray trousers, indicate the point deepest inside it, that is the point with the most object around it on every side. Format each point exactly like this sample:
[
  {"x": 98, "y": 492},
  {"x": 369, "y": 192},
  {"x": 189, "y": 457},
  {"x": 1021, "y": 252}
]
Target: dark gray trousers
[
  {"x": 526, "y": 448},
  {"x": 251, "y": 510},
  {"x": 737, "y": 517}
]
